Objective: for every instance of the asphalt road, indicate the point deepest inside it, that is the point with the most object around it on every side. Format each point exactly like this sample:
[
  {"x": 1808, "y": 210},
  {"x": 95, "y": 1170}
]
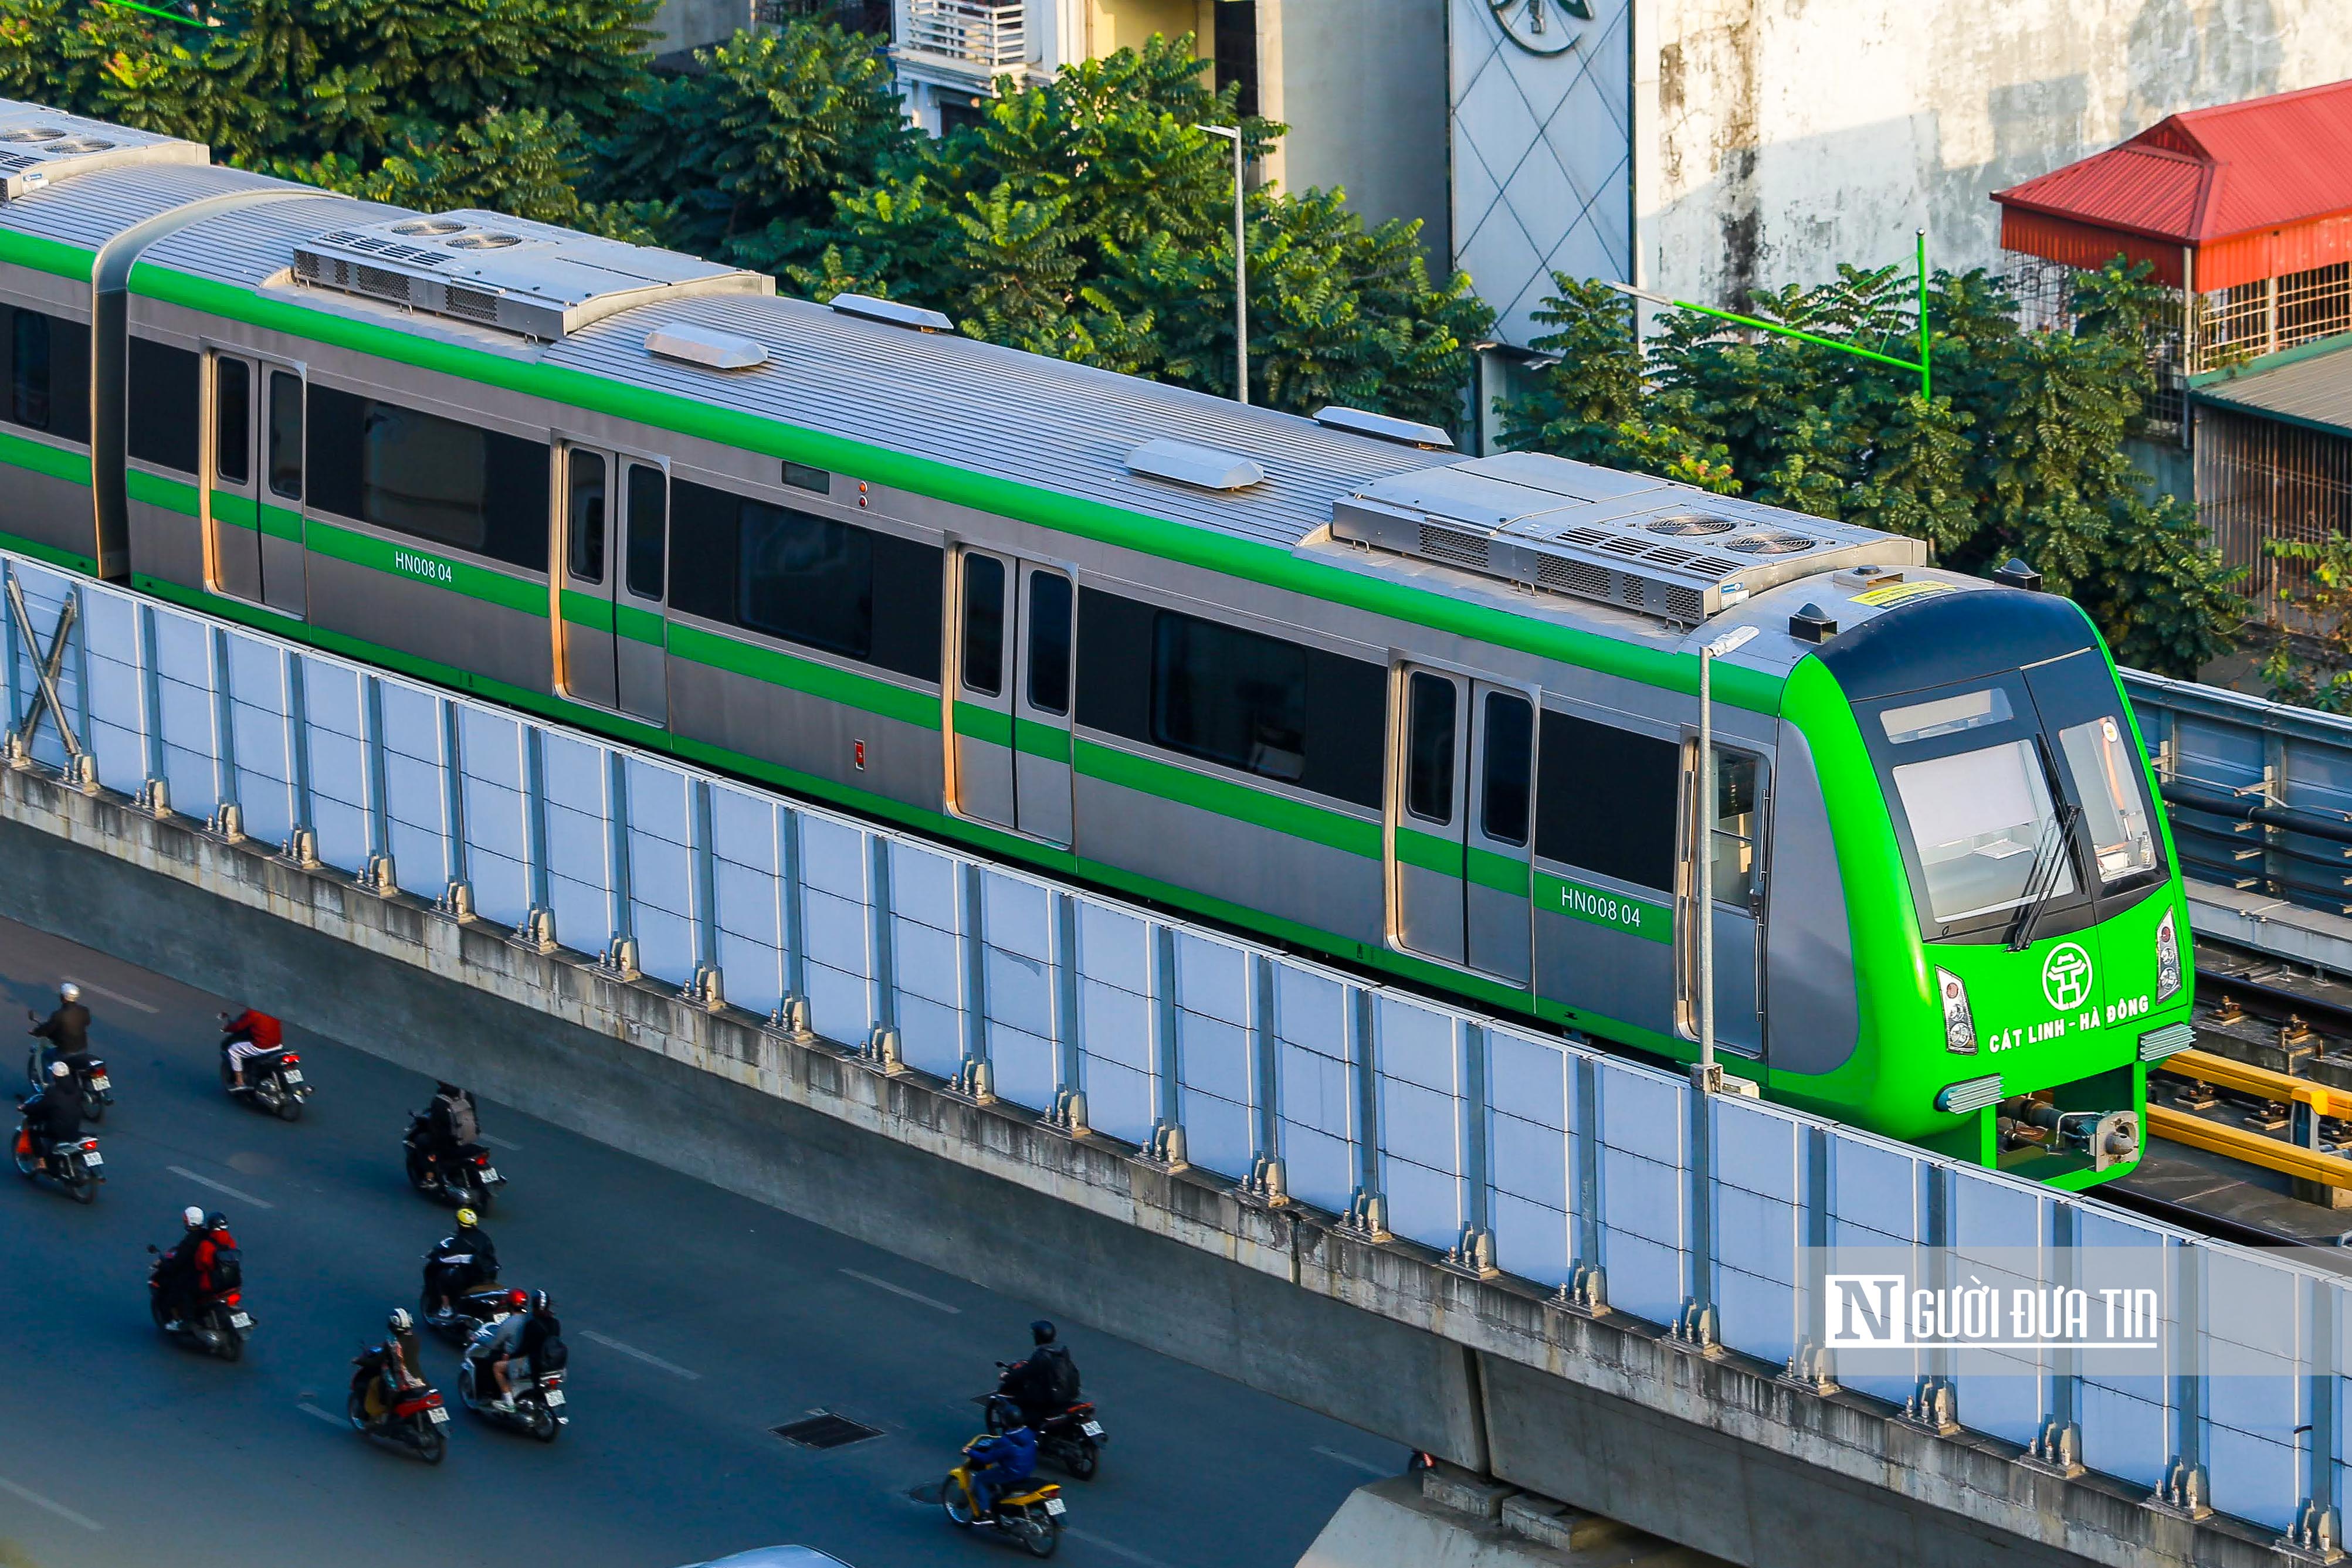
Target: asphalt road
[{"x": 699, "y": 1320}]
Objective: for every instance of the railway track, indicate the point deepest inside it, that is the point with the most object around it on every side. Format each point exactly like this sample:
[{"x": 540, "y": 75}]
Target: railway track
[{"x": 2253, "y": 1129}]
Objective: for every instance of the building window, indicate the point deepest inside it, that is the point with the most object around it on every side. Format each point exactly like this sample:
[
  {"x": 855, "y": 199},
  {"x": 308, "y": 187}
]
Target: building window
[{"x": 1237, "y": 48}]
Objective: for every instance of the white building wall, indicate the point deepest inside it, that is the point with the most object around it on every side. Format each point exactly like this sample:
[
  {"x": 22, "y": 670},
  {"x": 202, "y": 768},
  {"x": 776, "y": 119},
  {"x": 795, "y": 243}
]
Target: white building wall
[{"x": 1770, "y": 139}]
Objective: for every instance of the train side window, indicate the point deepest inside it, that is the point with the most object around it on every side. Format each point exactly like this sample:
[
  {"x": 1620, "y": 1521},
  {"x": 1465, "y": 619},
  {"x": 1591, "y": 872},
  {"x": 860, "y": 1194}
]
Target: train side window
[
  {"x": 286, "y": 436},
  {"x": 1605, "y": 799},
  {"x": 583, "y": 518},
  {"x": 806, "y": 579},
  {"x": 232, "y": 421},
  {"x": 983, "y": 624},
  {"x": 29, "y": 370},
  {"x": 1229, "y": 696},
  {"x": 1428, "y": 747},
  {"x": 162, "y": 394},
  {"x": 432, "y": 479},
  {"x": 648, "y": 496},
  {"x": 48, "y": 373},
  {"x": 1510, "y": 749},
  {"x": 1049, "y": 643}
]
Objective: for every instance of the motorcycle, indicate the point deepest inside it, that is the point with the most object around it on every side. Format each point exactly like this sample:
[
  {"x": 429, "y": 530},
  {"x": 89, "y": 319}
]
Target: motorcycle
[
  {"x": 73, "y": 1164},
  {"x": 1072, "y": 1438},
  {"x": 1030, "y": 1513},
  {"x": 273, "y": 1081},
  {"x": 463, "y": 1179},
  {"x": 218, "y": 1323},
  {"x": 538, "y": 1404},
  {"x": 97, "y": 1085},
  {"x": 416, "y": 1415},
  {"x": 470, "y": 1310}
]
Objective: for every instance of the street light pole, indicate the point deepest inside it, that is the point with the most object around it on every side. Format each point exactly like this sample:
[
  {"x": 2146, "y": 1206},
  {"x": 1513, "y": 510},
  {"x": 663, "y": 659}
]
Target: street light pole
[
  {"x": 1241, "y": 267},
  {"x": 1707, "y": 1075}
]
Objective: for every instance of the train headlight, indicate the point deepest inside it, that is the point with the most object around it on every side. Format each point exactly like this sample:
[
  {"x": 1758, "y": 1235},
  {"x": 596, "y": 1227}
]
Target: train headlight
[
  {"x": 2167, "y": 960},
  {"x": 1959, "y": 1029}
]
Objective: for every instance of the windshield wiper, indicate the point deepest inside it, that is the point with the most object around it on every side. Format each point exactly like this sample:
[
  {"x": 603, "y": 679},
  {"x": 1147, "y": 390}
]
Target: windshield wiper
[{"x": 2041, "y": 881}]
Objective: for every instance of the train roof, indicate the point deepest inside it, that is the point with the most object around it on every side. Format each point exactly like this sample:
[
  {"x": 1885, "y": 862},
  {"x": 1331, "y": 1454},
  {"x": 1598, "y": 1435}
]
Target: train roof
[{"x": 1622, "y": 554}]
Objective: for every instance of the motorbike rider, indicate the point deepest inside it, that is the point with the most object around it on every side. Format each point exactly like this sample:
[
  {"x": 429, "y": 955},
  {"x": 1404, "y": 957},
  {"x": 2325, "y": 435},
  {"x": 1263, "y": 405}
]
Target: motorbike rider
[
  {"x": 458, "y": 1262},
  {"x": 450, "y": 1123},
  {"x": 53, "y": 1113},
  {"x": 194, "y": 1265},
  {"x": 392, "y": 1365},
  {"x": 248, "y": 1035},
  {"x": 521, "y": 1335},
  {"x": 997, "y": 1463},
  {"x": 1046, "y": 1384},
  {"x": 66, "y": 1030}
]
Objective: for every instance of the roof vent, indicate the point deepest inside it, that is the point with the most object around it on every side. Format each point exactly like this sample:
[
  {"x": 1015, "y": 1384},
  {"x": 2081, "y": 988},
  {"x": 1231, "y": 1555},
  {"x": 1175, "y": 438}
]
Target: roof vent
[
  {"x": 1202, "y": 467},
  {"x": 891, "y": 311},
  {"x": 1383, "y": 427},
  {"x": 704, "y": 346},
  {"x": 47, "y": 146},
  {"x": 1811, "y": 623},
  {"x": 1770, "y": 544},
  {"x": 1689, "y": 523},
  {"x": 542, "y": 282}
]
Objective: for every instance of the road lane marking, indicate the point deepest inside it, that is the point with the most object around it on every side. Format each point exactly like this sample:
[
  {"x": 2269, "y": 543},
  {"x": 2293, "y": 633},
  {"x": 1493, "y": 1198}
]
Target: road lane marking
[
  {"x": 902, "y": 1290},
  {"x": 1113, "y": 1547},
  {"x": 495, "y": 1143},
  {"x": 219, "y": 1186},
  {"x": 310, "y": 1409},
  {"x": 645, "y": 1355},
  {"x": 117, "y": 997},
  {"x": 1366, "y": 1466},
  {"x": 60, "y": 1509}
]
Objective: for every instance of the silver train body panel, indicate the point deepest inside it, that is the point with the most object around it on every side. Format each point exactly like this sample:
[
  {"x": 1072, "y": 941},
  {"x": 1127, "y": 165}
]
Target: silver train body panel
[{"x": 1072, "y": 796}]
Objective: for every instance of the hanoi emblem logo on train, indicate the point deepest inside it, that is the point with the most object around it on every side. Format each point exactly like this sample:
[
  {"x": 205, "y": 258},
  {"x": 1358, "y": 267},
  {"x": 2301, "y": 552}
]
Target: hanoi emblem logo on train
[{"x": 2067, "y": 976}]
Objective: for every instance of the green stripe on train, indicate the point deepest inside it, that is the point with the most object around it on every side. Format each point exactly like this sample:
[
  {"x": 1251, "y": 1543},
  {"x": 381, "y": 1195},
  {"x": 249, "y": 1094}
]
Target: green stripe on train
[
  {"x": 1259, "y": 807},
  {"x": 1050, "y": 741},
  {"x": 56, "y": 462},
  {"x": 1246, "y": 560},
  {"x": 516, "y": 594},
  {"x": 44, "y": 254},
  {"x": 1599, "y": 906}
]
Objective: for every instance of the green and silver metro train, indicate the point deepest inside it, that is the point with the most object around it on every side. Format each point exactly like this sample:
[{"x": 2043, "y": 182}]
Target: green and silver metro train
[{"x": 1320, "y": 680}]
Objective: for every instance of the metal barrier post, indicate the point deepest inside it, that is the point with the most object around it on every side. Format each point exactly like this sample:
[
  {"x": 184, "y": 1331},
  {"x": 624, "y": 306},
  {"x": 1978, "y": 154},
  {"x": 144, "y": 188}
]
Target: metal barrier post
[
  {"x": 457, "y": 898},
  {"x": 1695, "y": 1327},
  {"x": 972, "y": 944},
  {"x": 620, "y": 909},
  {"x": 790, "y": 915},
  {"x": 1368, "y": 1210},
  {"x": 1476, "y": 1249},
  {"x": 881, "y": 947},
  {"x": 226, "y": 804},
  {"x": 539, "y": 922},
  {"x": 301, "y": 837}
]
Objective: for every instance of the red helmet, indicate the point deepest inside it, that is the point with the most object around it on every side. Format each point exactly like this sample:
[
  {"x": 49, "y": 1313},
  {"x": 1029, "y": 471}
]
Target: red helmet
[{"x": 516, "y": 1301}]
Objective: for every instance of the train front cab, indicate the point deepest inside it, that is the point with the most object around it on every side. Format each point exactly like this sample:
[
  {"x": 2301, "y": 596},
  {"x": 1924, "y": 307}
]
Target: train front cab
[{"x": 2017, "y": 920}]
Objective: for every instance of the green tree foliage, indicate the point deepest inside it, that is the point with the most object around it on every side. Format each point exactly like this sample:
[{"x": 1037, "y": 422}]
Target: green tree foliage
[
  {"x": 2318, "y": 674},
  {"x": 1088, "y": 216},
  {"x": 2020, "y": 452},
  {"x": 468, "y": 102}
]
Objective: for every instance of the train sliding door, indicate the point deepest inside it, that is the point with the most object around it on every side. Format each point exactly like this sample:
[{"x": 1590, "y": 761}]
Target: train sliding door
[
  {"x": 615, "y": 531},
  {"x": 1459, "y": 861},
  {"x": 1011, "y": 721},
  {"x": 253, "y": 494},
  {"x": 1731, "y": 828}
]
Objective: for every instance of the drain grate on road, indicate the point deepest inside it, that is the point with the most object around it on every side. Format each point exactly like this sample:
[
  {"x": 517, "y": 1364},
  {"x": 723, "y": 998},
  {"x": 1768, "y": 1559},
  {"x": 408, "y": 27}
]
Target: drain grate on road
[{"x": 825, "y": 1429}]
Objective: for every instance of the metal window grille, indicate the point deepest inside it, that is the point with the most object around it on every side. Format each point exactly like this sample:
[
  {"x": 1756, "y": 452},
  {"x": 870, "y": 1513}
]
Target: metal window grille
[
  {"x": 2261, "y": 479},
  {"x": 2045, "y": 292}
]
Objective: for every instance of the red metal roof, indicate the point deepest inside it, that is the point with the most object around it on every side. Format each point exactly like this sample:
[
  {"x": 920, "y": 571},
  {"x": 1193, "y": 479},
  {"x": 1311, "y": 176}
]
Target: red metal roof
[{"x": 2249, "y": 186}]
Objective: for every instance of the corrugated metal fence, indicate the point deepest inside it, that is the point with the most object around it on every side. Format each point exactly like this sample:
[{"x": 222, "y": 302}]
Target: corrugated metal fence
[{"x": 1612, "y": 1182}]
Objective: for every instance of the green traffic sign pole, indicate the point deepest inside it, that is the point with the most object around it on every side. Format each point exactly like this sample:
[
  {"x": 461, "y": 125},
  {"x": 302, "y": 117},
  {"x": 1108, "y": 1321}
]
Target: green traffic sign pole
[
  {"x": 153, "y": 11},
  {"x": 1922, "y": 365}
]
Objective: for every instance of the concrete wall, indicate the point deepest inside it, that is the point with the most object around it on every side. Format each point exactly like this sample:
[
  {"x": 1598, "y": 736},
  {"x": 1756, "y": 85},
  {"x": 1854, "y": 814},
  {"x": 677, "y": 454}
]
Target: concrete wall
[
  {"x": 1361, "y": 83},
  {"x": 1594, "y": 1409},
  {"x": 1781, "y": 137},
  {"x": 686, "y": 24}
]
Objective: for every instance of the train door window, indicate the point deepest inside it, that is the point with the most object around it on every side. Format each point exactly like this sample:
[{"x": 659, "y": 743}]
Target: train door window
[
  {"x": 1497, "y": 882},
  {"x": 1504, "y": 785},
  {"x": 983, "y": 624},
  {"x": 1429, "y": 755},
  {"x": 648, "y": 501},
  {"x": 286, "y": 434},
  {"x": 235, "y": 553},
  {"x": 584, "y": 514},
  {"x": 232, "y": 421},
  {"x": 1732, "y": 830},
  {"x": 1049, "y": 643},
  {"x": 986, "y": 772}
]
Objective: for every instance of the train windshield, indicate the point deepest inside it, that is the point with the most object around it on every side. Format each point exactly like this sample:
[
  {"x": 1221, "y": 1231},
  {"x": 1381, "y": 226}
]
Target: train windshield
[{"x": 2017, "y": 789}]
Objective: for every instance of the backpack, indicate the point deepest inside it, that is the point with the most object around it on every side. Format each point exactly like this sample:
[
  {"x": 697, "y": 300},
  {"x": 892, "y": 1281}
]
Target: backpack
[
  {"x": 228, "y": 1269},
  {"x": 465, "y": 1127},
  {"x": 552, "y": 1355},
  {"x": 1062, "y": 1374}
]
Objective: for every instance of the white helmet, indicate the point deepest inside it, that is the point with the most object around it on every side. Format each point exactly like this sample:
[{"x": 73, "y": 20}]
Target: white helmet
[
  {"x": 61, "y": 1070},
  {"x": 69, "y": 992},
  {"x": 192, "y": 1218},
  {"x": 400, "y": 1322}
]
